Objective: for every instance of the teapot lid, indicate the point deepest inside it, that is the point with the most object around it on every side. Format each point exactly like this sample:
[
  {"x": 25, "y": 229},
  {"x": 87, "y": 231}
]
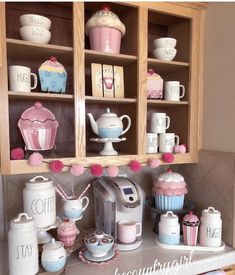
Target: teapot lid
[
  {"x": 53, "y": 244},
  {"x": 37, "y": 113},
  {"x": 108, "y": 113}
]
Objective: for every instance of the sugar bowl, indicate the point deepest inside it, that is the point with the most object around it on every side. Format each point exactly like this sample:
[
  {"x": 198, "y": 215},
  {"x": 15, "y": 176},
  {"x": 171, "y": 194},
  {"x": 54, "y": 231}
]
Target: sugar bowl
[{"x": 53, "y": 256}]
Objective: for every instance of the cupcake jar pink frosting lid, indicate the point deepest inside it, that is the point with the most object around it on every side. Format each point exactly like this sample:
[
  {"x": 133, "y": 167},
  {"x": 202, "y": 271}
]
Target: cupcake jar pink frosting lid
[
  {"x": 170, "y": 183},
  {"x": 191, "y": 220},
  {"x": 105, "y": 18}
]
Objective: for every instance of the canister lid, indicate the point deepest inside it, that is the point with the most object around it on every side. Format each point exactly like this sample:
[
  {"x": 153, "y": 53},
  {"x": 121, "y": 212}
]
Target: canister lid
[
  {"x": 23, "y": 221},
  {"x": 211, "y": 212},
  {"x": 53, "y": 244},
  {"x": 169, "y": 217},
  {"x": 39, "y": 182}
]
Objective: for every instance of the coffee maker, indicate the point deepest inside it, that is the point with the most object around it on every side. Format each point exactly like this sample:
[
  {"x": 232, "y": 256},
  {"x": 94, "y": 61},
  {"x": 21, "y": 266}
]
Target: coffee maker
[{"x": 118, "y": 199}]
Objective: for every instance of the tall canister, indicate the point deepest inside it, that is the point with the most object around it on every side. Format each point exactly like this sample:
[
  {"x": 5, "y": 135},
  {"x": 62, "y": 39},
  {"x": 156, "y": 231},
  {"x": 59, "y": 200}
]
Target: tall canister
[
  {"x": 211, "y": 227},
  {"x": 40, "y": 201},
  {"x": 23, "y": 246}
]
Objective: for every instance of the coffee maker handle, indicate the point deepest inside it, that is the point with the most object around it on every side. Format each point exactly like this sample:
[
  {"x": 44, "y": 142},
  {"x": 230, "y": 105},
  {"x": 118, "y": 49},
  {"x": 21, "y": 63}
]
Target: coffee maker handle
[{"x": 128, "y": 125}]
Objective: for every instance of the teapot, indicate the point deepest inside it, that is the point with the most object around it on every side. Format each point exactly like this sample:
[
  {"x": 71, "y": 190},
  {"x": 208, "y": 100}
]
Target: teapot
[{"x": 109, "y": 125}]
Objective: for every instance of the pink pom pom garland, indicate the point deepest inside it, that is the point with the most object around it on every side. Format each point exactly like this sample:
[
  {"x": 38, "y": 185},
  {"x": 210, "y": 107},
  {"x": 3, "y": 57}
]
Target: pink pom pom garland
[
  {"x": 17, "y": 153},
  {"x": 168, "y": 157},
  {"x": 112, "y": 171},
  {"x": 77, "y": 170},
  {"x": 96, "y": 170},
  {"x": 35, "y": 159},
  {"x": 135, "y": 166},
  {"x": 56, "y": 166},
  {"x": 153, "y": 163}
]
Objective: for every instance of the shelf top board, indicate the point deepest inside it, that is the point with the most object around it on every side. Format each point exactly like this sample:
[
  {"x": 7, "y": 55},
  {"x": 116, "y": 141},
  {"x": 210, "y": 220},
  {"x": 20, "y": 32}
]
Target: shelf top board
[
  {"x": 20, "y": 49},
  {"x": 40, "y": 95},
  {"x": 106, "y": 58},
  {"x": 165, "y": 67},
  {"x": 166, "y": 102},
  {"x": 92, "y": 99}
]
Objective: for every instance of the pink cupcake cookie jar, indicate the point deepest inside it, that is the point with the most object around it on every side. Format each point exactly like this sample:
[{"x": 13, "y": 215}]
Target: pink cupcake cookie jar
[
  {"x": 169, "y": 190},
  {"x": 190, "y": 228},
  {"x": 105, "y": 31},
  {"x": 67, "y": 233}
]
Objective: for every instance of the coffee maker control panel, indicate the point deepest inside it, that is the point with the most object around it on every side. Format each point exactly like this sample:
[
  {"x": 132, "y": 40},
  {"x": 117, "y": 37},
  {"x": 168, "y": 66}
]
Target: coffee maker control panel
[{"x": 129, "y": 193}]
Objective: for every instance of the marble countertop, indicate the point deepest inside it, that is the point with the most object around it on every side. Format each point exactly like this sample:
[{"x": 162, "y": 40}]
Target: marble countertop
[{"x": 140, "y": 261}]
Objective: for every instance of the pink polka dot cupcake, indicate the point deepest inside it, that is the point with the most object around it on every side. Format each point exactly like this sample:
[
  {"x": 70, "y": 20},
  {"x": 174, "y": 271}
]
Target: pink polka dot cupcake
[{"x": 169, "y": 190}]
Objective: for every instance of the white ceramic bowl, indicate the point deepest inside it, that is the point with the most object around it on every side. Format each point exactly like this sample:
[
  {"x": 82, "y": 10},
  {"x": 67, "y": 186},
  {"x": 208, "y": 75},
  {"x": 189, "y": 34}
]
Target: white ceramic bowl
[
  {"x": 167, "y": 54},
  {"x": 35, "y": 34},
  {"x": 164, "y": 42},
  {"x": 35, "y": 20}
]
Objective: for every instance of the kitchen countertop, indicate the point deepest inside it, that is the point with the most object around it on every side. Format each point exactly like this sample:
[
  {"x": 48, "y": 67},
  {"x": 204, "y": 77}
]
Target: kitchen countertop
[{"x": 136, "y": 262}]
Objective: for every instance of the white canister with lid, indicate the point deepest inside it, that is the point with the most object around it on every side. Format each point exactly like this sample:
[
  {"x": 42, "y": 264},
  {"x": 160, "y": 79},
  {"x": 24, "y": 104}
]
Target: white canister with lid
[
  {"x": 169, "y": 228},
  {"x": 53, "y": 256},
  {"x": 23, "y": 246},
  {"x": 40, "y": 201},
  {"x": 211, "y": 227}
]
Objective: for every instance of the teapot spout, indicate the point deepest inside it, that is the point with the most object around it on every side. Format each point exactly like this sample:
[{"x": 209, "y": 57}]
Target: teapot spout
[{"x": 94, "y": 125}]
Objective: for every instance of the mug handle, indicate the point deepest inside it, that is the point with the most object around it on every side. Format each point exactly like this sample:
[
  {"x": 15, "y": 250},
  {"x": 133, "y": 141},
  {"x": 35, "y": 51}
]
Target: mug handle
[
  {"x": 168, "y": 121},
  {"x": 183, "y": 91},
  {"x": 86, "y": 204},
  {"x": 35, "y": 80},
  {"x": 177, "y": 140},
  {"x": 128, "y": 125},
  {"x": 138, "y": 229}
]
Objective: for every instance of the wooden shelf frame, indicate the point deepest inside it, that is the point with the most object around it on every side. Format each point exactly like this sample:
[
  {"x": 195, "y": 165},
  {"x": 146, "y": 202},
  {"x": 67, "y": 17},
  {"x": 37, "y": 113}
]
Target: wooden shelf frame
[{"x": 81, "y": 56}]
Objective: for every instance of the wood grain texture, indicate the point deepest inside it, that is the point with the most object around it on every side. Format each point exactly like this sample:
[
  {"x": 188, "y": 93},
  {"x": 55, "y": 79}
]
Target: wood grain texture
[
  {"x": 4, "y": 113},
  {"x": 79, "y": 81},
  {"x": 142, "y": 80}
]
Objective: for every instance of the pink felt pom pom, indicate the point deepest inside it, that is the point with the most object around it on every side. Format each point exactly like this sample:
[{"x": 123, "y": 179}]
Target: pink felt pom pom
[
  {"x": 112, "y": 171},
  {"x": 180, "y": 149},
  {"x": 96, "y": 170},
  {"x": 35, "y": 159},
  {"x": 56, "y": 166},
  {"x": 17, "y": 153},
  {"x": 153, "y": 163},
  {"x": 77, "y": 170},
  {"x": 135, "y": 166},
  {"x": 168, "y": 157}
]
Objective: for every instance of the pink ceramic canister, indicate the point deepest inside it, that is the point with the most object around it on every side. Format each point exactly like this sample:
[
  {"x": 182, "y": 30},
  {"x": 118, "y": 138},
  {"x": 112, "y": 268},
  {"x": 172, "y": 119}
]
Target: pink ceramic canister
[
  {"x": 105, "y": 31},
  {"x": 190, "y": 228},
  {"x": 38, "y": 128},
  {"x": 67, "y": 232},
  {"x": 154, "y": 85}
]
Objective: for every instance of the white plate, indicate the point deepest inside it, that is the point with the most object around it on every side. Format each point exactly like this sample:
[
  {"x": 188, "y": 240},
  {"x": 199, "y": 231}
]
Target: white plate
[
  {"x": 88, "y": 256},
  {"x": 198, "y": 247}
]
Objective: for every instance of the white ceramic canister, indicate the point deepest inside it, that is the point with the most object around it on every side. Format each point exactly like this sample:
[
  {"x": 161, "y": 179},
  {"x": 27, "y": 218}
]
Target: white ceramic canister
[
  {"x": 40, "y": 201},
  {"x": 23, "y": 246},
  {"x": 53, "y": 256},
  {"x": 211, "y": 227},
  {"x": 169, "y": 229}
]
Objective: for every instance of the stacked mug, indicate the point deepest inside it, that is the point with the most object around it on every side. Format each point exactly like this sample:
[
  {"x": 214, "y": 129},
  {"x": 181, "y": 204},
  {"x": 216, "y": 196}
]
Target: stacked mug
[
  {"x": 160, "y": 122},
  {"x": 164, "y": 48},
  {"x": 35, "y": 28}
]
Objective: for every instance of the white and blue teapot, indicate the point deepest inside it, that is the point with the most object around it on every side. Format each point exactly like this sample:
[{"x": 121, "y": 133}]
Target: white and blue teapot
[{"x": 109, "y": 125}]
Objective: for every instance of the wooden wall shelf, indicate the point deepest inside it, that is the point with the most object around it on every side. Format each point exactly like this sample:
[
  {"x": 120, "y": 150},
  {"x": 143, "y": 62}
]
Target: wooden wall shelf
[{"x": 144, "y": 22}]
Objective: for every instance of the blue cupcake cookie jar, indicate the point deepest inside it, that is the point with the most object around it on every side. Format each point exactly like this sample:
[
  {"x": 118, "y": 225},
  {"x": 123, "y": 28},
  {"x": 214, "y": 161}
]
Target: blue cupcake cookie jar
[{"x": 53, "y": 76}]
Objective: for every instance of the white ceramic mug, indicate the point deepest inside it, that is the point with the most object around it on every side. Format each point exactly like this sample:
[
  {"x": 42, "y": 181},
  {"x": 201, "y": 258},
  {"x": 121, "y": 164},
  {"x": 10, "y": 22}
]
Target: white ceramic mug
[
  {"x": 128, "y": 230},
  {"x": 74, "y": 208},
  {"x": 160, "y": 122},
  {"x": 20, "y": 79},
  {"x": 167, "y": 142},
  {"x": 172, "y": 90},
  {"x": 151, "y": 143}
]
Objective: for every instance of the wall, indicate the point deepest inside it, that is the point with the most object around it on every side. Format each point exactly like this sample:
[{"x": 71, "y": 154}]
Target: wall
[{"x": 219, "y": 78}]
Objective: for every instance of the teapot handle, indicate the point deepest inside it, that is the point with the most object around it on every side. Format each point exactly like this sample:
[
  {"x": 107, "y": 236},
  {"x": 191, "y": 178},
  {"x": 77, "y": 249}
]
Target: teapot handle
[{"x": 128, "y": 125}]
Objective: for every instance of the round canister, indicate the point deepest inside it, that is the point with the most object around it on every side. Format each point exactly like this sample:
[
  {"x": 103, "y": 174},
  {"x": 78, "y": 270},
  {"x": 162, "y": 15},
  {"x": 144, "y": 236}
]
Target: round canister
[
  {"x": 40, "y": 201},
  {"x": 23, "y": 246},
  {"x": 53, "y": 256},
  {"x": 169, "y": 228},
  {"x": 211, "y": 227}
]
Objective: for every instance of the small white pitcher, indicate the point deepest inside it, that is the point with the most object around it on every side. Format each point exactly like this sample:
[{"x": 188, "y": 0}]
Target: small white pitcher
[{"x": 74, "y": 208}]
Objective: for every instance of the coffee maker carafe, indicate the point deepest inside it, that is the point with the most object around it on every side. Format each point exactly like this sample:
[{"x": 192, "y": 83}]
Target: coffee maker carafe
[{"x": 118, "y": 199}]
